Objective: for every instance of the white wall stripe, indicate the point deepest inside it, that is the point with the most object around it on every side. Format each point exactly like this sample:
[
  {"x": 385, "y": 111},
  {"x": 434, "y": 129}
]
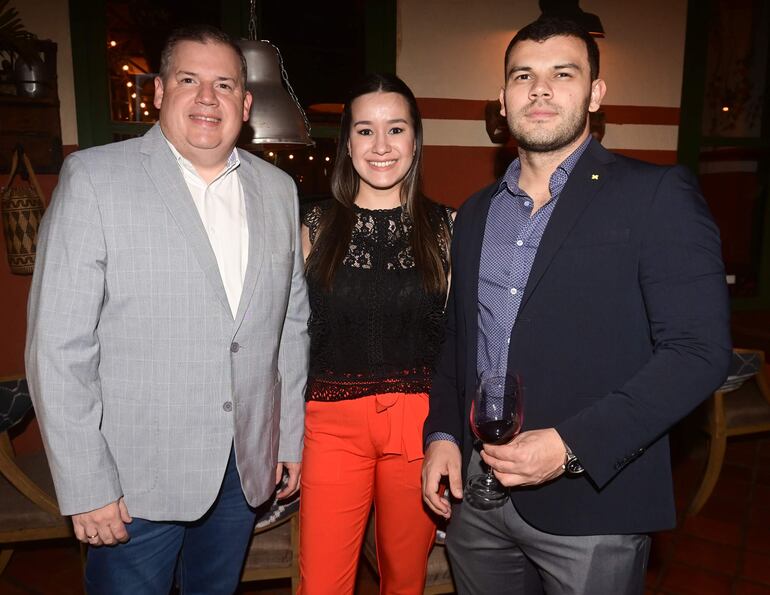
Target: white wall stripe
[
  {"x": 472, "y": 133},
  {"x": 641, "y": 137},
  {"x": 456, "y": 133}
]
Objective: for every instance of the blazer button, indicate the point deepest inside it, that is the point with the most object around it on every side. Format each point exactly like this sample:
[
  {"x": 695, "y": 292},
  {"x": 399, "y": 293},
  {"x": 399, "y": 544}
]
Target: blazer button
[
  {"x": 234, "y": 347},
  {"x": 227, "y": 406}
]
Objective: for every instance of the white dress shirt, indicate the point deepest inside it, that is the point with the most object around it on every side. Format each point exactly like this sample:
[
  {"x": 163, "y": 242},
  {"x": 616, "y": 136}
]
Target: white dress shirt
[{"x": 222, "y": 208}]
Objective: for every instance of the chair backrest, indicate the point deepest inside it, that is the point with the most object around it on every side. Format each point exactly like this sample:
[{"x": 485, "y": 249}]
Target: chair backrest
[
  {"x": 745, "y": 411},
  {"x": 763, "y": 382},
  {"x": 741, "y": 406},
  {"x": 274, "y": 512},
  {"x": 274, "y": 548},
  {"x": 28, "y": 509},
  {"x": 745, "y": 364},
  {"x": 15, "y": 401}
]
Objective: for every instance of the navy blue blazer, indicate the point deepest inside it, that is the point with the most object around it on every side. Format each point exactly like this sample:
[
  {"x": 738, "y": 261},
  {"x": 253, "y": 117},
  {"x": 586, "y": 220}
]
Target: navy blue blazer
[{"x": 623, "y": 329}]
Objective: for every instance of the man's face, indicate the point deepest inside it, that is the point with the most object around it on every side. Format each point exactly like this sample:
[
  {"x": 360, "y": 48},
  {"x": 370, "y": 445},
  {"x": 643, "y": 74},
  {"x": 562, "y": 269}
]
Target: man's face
[
  {"x": 548, "y": 93},
  {"x": 202, "y": 103}
]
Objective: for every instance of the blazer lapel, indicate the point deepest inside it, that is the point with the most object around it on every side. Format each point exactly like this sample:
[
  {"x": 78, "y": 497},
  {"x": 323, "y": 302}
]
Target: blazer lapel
[
  {"x": 255, "y": 216},
  {"x": 585, "y": 181},
  {"x": 163, "y": 170}
]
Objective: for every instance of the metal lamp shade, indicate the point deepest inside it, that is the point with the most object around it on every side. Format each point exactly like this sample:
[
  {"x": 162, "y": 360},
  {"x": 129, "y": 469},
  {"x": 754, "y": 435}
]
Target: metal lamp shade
[
  {"x": 275, "y": 117},
  {"x": 592, "y": 24},
  {"x": 571, "y": 11}
]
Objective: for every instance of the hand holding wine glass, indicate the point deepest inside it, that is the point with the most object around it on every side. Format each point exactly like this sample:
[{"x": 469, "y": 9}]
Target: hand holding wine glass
[{"x": 496, "y": 417}]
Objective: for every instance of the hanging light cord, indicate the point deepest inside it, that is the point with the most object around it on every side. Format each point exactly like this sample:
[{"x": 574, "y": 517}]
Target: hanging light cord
[
  {"x": 289, "y": 88},
  {"x": 253, "y": 20},
  {"x": 284, "y": 75}
]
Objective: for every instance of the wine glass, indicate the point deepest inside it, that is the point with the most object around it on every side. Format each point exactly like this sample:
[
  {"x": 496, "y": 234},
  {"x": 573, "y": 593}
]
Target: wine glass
[{"x": 496, "y": 417}]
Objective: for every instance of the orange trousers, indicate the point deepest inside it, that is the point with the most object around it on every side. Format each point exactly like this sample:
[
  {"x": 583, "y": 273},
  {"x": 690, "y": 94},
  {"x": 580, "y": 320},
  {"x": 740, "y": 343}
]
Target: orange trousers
[{"x": 359, "y": 451}]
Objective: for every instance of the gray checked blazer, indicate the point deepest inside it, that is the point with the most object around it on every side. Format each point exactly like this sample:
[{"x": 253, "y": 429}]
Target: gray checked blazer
[{"x": 140, "y": 376}]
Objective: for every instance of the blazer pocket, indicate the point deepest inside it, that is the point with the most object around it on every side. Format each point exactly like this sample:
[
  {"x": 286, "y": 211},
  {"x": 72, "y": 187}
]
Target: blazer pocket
[
  {"x": 588, "y": 397},
  {"x": 603, "y": 238}
]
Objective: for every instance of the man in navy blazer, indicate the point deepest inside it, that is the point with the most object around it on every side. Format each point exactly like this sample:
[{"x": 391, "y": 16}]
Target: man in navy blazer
[{"x": 598, "y": 280}]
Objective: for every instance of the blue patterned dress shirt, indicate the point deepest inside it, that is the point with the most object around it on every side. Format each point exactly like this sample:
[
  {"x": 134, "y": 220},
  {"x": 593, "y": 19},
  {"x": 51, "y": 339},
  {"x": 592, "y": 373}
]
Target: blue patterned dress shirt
[{"x": 511, "y": 239}]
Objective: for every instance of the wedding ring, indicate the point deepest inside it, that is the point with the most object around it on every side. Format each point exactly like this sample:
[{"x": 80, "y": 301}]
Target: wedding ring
[{"x": 92, "y": 536}]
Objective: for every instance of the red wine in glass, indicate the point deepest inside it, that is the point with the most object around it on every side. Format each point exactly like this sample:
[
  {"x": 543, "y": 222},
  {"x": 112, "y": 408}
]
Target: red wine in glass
[
  {"x": 496, "y": 417},
  {"x": 496, "y": 431}
]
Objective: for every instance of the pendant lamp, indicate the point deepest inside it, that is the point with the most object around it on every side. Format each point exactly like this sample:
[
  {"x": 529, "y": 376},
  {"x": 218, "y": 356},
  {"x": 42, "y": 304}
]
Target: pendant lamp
[
  {"x": 276, "y": 116},
  {"x": 570, "y": 10}
]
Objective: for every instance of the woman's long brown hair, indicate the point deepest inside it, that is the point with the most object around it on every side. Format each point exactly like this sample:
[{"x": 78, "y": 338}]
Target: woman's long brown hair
[{"x": 429, "y": 232}]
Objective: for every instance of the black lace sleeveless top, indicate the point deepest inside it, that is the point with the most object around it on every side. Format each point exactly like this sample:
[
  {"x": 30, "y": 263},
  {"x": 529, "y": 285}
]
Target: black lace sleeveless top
[{"x": 378, "y": 330}]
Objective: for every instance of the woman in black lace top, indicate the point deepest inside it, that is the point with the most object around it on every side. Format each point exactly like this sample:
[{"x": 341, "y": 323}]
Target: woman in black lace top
[{"x": 377, "y": 268}]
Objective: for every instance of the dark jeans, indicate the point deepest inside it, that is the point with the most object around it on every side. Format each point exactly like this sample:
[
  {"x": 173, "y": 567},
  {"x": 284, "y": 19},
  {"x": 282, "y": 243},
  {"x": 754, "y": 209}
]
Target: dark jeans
[{"x": 205, "y": 555}]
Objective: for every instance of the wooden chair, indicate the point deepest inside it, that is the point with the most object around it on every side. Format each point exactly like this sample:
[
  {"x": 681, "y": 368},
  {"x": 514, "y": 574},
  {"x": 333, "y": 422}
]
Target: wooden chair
[
  {"x": 438, "y": 578},
  {"x": 28, "y": 510},
  {"x": 740, "y": 406},
  {"x": 274, "y": 549}
]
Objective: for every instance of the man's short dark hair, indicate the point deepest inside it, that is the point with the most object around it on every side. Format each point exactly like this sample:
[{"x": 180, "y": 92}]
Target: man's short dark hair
[
  {"x": 547, "y": 27},
  {"x": 198, "y": 34}
]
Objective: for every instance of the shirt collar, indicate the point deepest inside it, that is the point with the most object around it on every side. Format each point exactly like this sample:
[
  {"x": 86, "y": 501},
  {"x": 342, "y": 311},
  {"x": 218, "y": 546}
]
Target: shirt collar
[
  {"x": 233, "y": 161},
  {"x": 559, "y": 177}
]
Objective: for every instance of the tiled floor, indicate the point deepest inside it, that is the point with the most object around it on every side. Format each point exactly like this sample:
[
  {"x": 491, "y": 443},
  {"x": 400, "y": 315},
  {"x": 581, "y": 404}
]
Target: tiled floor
[{"x": 724, "y": 550}]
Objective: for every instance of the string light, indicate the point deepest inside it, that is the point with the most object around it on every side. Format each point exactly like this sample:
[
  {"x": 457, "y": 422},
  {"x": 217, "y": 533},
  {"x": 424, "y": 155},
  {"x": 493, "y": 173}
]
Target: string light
[
  {"x": 291, "y": 156},
  {"x": 113, "y": 43},
  {"x": 125, "y": 68},
  {"x": 310, "y": 158},
  {"x": 143, "y": 105},
  {"x": 146, "y": 113},
  {"x": 133, "y": 95},
  {"x": 129, "y": 84},
  {"x": 270, "y": 154},
  {"x": 327, "y": 159},
  {"x": 725, "y": 109}
]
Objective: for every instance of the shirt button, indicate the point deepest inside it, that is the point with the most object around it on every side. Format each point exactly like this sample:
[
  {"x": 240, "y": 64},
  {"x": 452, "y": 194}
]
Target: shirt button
[
  {"x": 514, "y": 291},
  {"x": 519, "y": 243},
  {"x": 527, "y": 203},
  {"x": 234, "y": 347},
  {"x": 227, "y": 406}
]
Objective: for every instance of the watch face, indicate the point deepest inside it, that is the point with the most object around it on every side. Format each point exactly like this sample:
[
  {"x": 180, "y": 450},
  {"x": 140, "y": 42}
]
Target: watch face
[{"x": 573, "y": 466}]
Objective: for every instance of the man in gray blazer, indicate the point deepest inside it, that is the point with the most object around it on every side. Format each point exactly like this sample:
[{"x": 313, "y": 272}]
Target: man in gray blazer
[{"x": 167, "y": 340}]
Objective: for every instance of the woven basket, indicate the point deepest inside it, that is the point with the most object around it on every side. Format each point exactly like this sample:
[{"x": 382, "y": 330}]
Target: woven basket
[{"x": 22, "y": 208}]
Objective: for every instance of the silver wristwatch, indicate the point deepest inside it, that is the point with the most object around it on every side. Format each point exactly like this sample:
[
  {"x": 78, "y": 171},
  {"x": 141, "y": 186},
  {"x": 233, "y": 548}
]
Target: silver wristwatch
[{"x": 571, "y": 464}]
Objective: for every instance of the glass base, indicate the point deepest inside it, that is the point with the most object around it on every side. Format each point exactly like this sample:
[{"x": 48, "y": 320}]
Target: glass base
[{"x": 484, "y": 492}]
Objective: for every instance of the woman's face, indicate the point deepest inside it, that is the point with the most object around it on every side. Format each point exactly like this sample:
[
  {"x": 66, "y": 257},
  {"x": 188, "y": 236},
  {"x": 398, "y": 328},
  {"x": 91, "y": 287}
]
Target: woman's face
[{"x": 381, "y": 143}]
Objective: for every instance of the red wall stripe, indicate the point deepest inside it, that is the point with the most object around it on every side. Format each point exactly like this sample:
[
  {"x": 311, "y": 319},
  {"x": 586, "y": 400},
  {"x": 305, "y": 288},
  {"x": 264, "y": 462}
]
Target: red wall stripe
[
  {"x": 659, "y": 156},
  {"x": 452, "y": 174},
  {"x": 641, "y": 114},
  {"x": 435, "y": 108}
]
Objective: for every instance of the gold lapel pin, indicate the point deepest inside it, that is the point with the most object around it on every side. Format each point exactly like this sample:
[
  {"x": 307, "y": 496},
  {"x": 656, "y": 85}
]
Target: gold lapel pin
[{"x": 594, "y": 176}]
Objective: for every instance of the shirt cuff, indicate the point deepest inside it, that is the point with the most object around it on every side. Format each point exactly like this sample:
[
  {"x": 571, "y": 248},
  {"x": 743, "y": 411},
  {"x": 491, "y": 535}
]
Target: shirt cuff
[{"x": 433, "y": 436}]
